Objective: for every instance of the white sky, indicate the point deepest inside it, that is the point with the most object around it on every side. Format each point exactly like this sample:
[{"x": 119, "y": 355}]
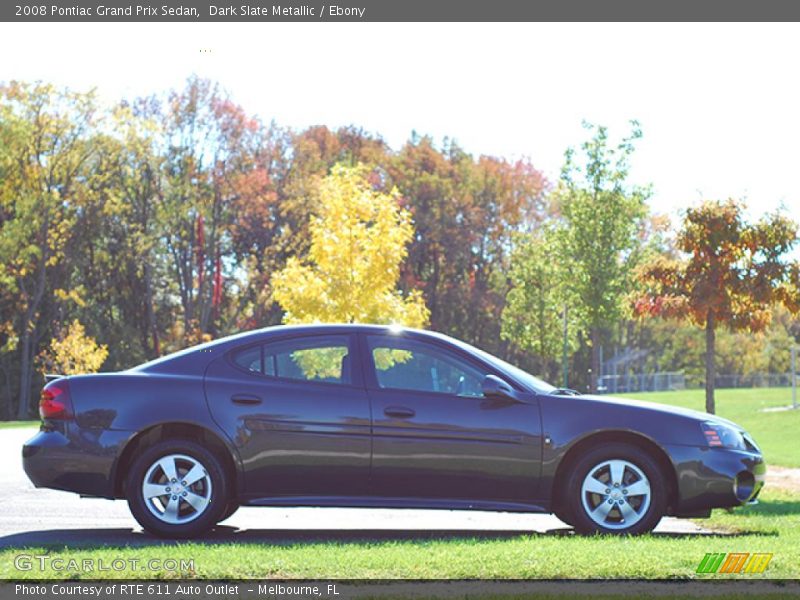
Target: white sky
[{"x": 718, "y": 103}]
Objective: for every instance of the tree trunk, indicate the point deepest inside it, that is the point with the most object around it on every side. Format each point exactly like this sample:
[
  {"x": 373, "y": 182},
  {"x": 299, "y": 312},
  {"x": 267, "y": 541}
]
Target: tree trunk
[
  {"x": 595, "y": 362},
  {"x": 24, "y": 377},
  {"x": 152, "y": 327},
  {"x": 710, "y": 370}
]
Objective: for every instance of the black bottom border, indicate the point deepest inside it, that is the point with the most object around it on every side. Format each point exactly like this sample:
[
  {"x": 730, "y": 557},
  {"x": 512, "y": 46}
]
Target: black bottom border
[{"x": 345, "y": 589}]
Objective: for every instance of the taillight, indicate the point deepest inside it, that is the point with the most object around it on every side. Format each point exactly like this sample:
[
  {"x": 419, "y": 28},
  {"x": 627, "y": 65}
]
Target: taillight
[{"x": 54, "y": 402}]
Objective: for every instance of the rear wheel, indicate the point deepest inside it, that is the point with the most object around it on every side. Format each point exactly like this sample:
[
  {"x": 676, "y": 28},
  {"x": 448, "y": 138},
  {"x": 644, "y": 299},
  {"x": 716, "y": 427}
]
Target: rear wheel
[
  {"x": 177, "y": 489},
  {"x": 616, "y": 488},
  {"x": 229, "y": 511}
]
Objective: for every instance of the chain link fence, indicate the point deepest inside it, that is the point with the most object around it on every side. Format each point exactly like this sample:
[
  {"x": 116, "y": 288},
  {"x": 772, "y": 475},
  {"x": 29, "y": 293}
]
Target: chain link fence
[{"x": 669, "y": 381}]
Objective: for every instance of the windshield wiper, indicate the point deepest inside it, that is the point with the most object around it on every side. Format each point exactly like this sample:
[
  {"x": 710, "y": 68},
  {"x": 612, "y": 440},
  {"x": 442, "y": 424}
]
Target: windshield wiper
[{"x": 565, "y": 392}]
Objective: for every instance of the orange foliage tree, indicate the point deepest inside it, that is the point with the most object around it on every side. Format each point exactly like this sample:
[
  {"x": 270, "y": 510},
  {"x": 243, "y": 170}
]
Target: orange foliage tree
[{"x": 732, "y": 274}]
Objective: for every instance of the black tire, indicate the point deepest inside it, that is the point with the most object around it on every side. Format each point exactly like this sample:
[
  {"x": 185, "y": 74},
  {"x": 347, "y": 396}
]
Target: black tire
[
  {"x": 197, "y": 522},
  {"x": 564, "y": 516},
  {"x": 229, "y": 511},
  {"x": 647, "y": 517}
]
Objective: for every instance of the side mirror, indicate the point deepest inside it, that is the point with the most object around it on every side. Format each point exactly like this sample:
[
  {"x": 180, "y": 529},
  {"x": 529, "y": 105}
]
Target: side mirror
[{"x": 494, "y": 387}]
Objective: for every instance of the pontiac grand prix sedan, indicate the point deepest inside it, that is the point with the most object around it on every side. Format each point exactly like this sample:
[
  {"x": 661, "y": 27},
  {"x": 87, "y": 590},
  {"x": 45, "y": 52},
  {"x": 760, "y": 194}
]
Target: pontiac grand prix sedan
[{"x": 375, "y": 416}]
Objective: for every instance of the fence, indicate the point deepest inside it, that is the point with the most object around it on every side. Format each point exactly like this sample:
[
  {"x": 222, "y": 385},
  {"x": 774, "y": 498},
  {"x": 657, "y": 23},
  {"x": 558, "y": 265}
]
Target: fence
[
  {"x": 667, "y": 381},
  {"x": 643, "y": 382}
]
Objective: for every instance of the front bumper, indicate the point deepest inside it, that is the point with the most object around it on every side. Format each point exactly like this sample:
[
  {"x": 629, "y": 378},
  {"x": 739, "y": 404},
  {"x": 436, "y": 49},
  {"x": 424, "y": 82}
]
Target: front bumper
[
  {"x": 715, "y": 477},
  {"x": 77, "y": 460}
]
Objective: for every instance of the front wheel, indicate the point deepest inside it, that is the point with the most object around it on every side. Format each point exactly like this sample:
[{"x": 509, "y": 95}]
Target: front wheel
[
  {"x": 177, "y": 489},
  {"x": 616, "y": 489}
]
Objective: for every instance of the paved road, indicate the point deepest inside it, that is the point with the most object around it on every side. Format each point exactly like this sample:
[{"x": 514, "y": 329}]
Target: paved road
[{"x": 31, "y": 517}]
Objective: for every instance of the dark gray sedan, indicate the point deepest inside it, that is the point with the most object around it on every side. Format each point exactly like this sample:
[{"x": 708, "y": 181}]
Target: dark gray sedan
[{"x": 375, "y": 416}]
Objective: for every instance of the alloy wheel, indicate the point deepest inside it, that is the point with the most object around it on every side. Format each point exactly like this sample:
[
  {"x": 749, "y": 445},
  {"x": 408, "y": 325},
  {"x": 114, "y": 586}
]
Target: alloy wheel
[
  {"x": 177, "y": 489},
  {"x": 615, "y": 494}
]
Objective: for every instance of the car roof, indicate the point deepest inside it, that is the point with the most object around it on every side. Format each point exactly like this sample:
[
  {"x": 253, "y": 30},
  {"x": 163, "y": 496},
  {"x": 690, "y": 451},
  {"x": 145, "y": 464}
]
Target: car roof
[{"x": 182, "y": 359}]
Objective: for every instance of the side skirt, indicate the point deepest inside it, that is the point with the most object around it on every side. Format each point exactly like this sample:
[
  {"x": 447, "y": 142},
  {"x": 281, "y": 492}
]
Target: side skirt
[{"x": 391, "y": 502}]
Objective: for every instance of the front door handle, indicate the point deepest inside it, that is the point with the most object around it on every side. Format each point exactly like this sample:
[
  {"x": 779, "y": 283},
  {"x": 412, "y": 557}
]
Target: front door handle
[
  {"x": 245, "y": 399},
  {"x": 400, "y": 412}
]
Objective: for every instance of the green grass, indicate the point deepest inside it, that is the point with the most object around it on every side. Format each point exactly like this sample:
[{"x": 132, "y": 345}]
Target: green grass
[
  {"x": 773, "y": 526},
  {"x": 776, "y": 432},
  {"x": 13, "y": 424}
]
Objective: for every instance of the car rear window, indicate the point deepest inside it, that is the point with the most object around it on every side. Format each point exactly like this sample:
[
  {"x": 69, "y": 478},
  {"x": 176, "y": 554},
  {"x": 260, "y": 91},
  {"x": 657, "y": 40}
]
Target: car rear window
[{"x": 319, "y": 358}]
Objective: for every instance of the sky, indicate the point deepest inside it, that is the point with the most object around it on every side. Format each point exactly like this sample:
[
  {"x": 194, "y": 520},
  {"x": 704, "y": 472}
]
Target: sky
[{"x": 719, "y": 104}]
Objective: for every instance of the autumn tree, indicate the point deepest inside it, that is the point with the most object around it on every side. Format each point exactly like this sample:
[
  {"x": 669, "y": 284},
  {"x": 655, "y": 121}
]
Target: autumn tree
[
  {"x": 214, "y": 162},
  {"x": 731, "y": 274},
  {"x": 466, "y": 211},
  {"x": 46, "y": 153},
  {"x": 358, "y": 241},
  {"x": 600, "y": 216},
  {"x": 270, "y": 227},
  {"x": 72, "y": 352}
]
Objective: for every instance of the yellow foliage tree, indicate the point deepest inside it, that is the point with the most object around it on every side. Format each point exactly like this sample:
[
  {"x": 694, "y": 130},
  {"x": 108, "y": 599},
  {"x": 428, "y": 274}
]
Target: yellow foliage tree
[
  {"x": 358, "y": 242},
  {"x": 72, "y": 352}
]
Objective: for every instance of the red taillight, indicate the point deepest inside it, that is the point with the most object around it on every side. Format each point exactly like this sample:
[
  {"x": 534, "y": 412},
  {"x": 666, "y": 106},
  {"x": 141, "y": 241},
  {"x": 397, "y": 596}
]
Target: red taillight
[{"x": 54, "y": 402}]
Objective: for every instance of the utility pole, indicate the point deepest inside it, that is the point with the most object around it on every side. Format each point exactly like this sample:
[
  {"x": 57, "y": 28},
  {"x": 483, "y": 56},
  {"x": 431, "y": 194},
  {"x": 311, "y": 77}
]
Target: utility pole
[{"x": 564, "y": 365}]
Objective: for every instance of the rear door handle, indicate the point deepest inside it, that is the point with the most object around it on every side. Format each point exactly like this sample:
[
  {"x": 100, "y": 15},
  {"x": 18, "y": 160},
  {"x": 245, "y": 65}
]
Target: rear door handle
[
  {"x": 246, "y": 399},
  {"x": 398, "y": 411}
]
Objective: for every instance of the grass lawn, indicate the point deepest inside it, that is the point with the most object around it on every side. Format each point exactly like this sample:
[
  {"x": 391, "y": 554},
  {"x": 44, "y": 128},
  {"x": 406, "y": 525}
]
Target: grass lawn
[
  {"x": 12, "y": 424},
  {"x": 775, "y": 432},
  {"x": 773, "y": 526}
]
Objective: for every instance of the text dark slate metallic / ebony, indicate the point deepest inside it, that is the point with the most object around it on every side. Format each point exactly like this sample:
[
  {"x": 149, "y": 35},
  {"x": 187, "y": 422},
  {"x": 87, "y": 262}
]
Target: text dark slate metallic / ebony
[{"x": 376, "y": 416}]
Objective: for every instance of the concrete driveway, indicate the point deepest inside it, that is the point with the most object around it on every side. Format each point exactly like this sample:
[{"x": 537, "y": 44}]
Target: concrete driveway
[{"x": 32, "y": 517}]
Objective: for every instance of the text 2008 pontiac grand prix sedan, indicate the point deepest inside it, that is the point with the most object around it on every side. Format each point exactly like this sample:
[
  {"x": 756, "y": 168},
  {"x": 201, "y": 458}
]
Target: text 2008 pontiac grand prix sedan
[{"x": 372, "y": 416}]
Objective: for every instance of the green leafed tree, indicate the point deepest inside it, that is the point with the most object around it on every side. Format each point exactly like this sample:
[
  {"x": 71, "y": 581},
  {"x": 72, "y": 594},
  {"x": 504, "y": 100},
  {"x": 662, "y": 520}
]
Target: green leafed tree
[
  {"x": 534, "y": 311},
  {"x": 731, "y": 274},
  {"x": 600, "y": 216}
]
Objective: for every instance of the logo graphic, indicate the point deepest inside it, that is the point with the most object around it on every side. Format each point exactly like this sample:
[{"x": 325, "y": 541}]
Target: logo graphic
[{"x": 734, "y": 562}]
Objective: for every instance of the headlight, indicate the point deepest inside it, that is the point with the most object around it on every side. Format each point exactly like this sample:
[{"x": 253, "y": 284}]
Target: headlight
[{"x": 722, "y": 436}]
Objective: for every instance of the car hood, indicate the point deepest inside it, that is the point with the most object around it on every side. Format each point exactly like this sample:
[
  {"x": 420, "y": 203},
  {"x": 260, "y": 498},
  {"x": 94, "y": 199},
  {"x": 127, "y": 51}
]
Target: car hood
[{"x": 661, "y": 408}]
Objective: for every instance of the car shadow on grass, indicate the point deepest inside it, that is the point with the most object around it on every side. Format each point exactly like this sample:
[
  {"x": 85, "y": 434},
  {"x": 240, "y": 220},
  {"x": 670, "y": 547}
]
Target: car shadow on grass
[
  {"x": 773, "y": 508},
  {"x": 221, "y": 535}
]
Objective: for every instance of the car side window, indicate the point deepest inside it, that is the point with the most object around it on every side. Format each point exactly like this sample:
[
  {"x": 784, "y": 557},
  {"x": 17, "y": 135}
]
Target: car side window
[
  {"x": 319, "y": 358},
  {"x": 412, "y": 365},
  {"x": 249, "y": 358}
]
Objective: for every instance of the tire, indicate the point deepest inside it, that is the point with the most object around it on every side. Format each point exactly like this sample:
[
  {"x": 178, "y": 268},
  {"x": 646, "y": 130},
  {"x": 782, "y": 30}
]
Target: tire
[
  {"x": 564, "y": 516},
  {"x": 229, "y": 511},
  {"x": 603, "y": 491},
  {"x": 183, "y": 510}
]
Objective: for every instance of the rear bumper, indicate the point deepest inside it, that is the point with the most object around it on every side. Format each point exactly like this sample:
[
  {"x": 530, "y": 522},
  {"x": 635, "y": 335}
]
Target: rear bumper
[
  {"x": 715, "y": 477},
  {"x": 74, "y": 460}
]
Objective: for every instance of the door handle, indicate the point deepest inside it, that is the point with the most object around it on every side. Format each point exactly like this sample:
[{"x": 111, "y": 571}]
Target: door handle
[
  {"x": 399, "y": 411},
  {"x": 245, "y": 399}
]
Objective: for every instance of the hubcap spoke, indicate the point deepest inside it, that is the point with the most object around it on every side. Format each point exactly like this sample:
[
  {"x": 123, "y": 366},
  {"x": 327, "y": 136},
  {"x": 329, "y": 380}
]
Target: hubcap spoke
[
  {"x": 600, "y": 513},
  {"x": 617, "y": 468},
  {"x": 628, "y": 513},
  {"x": 167, "y": 465},
  {"x": 153, "y": 490},
  {"x": 171, "y": 510},
  {"x": 638, "y": 488},
  {"x": 196, "y": 500},
  {"x": 196, "y": 474},
  {"x": 594, "y": 486}
]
